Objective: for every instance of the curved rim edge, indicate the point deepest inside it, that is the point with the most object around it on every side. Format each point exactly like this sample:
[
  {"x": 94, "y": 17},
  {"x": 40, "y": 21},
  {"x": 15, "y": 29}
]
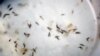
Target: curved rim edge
[{"x": 96, "y": 24}]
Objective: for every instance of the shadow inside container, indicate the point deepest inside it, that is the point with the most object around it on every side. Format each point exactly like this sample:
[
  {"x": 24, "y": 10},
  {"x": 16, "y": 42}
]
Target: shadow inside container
[{"x": 1, "y": 1}]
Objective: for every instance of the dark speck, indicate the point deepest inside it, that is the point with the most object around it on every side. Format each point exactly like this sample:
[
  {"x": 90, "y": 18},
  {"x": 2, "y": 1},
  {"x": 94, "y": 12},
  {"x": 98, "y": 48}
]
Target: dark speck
[
  {"x": 49, "y": 34},
  {"x": 77, "y": 32},
  {"x": 15, "y": 14},
  {"x": 62, "y": 14},
  {"x": 72, "y": 11},
  {"x": 82, "y": 44},
  {"x": 91, "y": 1},
  {"x": 36, "y": 23},
  {"x": 75, "y": 29},
  {"x": 32, "y": 53},
  {"x": 57, "y": 37},
  {"x": 34, "y": 49},
  {"x": 16, "y": 50},
  {"x": 41, "y": 17},
  {"x": 80, "y": 47},
  {"x": 63, "y": 31},
  {"x": 24, "y": 45},
  {"x": 57, "y": 27},
  {"x": 16, "y": 45},
  {"x": 59, "y": 30},
  {"x": 5, "y": 32},
  {"x": 24, "y": 51},
  {"x": 5, "y": 15},
  {"x": 29, "y": 25},
  {"x": 81, "y": 0},
  {"x": 9, "y": 40},
  {"x": 10, "y": 9},
  {"x": 15, "y": 42},
  {"x": 49, "y": 28},
  {"x": 27, "y": 34},
  {"x": 9, "y": 6},
  {"x": 1, "y": 50},
  {"x": 87, "y": 38}
]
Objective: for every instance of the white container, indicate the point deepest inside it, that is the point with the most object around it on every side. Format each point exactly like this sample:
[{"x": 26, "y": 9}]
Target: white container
[{"x": 47, "y": 28}]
